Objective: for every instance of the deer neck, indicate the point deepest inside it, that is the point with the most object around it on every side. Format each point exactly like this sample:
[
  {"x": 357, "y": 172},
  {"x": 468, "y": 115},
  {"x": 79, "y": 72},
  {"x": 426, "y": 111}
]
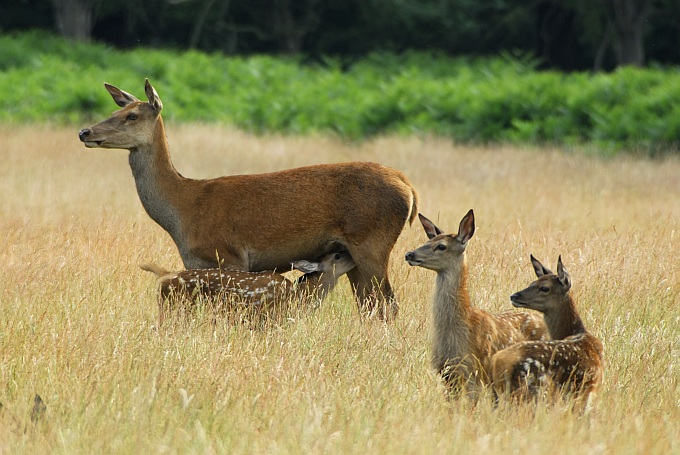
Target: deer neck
[
  {"x": 315, "y": 286},
  {"x": 563, "y": 320},
  {"x": 159, "y": 186},
  {"x": 451, "y": 312}
]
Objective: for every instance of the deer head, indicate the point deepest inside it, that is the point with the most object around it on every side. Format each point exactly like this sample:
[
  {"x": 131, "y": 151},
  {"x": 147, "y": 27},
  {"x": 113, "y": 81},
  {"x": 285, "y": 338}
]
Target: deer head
[
  {"x": 441, "y": 250},
  {"x": 337, "y": 264},
  {"x": 128, "y": 128},
  {"x": 545, "y": 293}
]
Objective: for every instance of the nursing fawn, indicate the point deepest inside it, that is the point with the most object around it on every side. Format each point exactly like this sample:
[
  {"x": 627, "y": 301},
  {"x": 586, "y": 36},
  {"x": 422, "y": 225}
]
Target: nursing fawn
[
  {"x": 465, "y": 338},
  {"x": 258, "y": 291},
  {"x": 571, "y": 363}
]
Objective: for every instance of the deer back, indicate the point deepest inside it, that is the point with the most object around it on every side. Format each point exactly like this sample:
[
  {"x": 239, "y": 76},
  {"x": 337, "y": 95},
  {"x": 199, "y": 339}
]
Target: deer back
[
  {"x": 571, "y": 366},
  {"x": 251, "y": 287}
]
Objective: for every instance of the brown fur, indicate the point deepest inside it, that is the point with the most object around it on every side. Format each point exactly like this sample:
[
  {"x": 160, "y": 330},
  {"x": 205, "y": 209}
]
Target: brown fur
[
  {"x": 465, "y": 338},
  {"x": 570, "y": 363},
  {"x": 259, "y": 291},
  {"x": 264, "y": 221}
]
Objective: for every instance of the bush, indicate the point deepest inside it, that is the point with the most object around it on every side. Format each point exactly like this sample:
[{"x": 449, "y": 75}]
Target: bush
[{"x": 44, "y": 78}]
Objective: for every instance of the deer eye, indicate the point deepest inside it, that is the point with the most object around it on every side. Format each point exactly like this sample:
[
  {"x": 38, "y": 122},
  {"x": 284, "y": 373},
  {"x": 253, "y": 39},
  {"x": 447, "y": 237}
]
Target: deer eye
[
  {"x": 132, "y": 117},
  {"x": 440, "y": 247},
  {"x": 544, "y": 289}
]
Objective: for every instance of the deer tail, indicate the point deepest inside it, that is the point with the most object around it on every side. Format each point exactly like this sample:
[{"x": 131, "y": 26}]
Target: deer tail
[
  {"x": 414, "y": 206},
  {"x": 151, "y": 267}
]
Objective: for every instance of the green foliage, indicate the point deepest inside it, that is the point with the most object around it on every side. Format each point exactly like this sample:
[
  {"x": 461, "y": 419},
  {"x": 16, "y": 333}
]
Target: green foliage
[{"x": 505, "y": 99}]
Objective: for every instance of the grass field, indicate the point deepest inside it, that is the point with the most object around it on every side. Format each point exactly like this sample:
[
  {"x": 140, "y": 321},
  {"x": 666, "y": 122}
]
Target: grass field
[{"x": 78, "y": 317}]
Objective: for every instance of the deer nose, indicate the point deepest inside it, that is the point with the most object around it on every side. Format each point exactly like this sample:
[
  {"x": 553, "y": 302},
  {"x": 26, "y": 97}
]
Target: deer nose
[
  {"x": 409, "y": 256},
  {"x": 84, "y": 133}
]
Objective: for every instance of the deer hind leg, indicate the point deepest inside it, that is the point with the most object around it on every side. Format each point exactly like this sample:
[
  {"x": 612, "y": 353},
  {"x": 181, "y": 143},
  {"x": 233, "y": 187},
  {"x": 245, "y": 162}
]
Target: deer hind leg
[
  {"x": 372, "y": 289},
  {"x": 369, "y": 279},
  {"x": 508, "y": 375}
]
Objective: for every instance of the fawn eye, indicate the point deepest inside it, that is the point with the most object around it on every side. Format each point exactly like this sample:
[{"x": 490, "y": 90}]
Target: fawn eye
[
  {"x": 544, "y": 289},
  {"x": 132, "y": 117},
  {"x": 440, "y": 247}
]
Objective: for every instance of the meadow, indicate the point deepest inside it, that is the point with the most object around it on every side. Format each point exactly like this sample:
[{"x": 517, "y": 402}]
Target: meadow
[{"x": 79, "y": 318}]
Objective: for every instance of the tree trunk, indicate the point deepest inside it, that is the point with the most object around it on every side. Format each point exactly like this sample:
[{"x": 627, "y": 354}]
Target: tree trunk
[
  {"x": 74, "y": 18},
  {"x": 289, "y": 30},
  {"x": 602, "y": 48},
  {"x": 197, "y": 30},
  {"x": 630, "y": 17}
]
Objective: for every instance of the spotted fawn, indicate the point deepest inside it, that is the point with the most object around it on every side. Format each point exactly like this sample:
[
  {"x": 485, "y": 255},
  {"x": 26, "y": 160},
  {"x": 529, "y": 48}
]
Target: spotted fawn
[
  {"x": 258, "y": 290},
  {"x": 571, "y": 362}
]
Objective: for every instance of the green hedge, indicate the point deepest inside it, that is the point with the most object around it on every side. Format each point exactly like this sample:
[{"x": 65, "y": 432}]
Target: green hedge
[{"x": 45, "y": 78}]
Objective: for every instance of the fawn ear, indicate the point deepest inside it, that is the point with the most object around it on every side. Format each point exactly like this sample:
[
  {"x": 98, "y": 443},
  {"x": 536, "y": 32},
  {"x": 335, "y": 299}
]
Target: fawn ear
[
  {"x": 539, "y": 268},
  {"x": 467, "y": 227},
  {"x": 154, "y": 100},
  {"x": 121, "y": 98},
  {"x": 306, "y": 266},
  {"x": 431, "y": 230},
  {"x": 562, "y": 274}
]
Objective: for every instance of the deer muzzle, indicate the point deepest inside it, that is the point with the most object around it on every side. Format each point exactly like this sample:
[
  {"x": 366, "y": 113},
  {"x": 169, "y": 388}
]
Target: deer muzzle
[
  {"x": 516, "y": 300},
  {"x": 84, "y": 134},
  {"x": 411, "y": 259}
]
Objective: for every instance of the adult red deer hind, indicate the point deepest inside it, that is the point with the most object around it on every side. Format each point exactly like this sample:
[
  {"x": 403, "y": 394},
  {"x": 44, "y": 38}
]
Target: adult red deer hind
[{"x": 264, "y": 221}]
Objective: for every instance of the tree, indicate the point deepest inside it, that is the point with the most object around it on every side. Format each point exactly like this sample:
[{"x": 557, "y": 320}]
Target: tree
[
  {"x": 629, "y": 18},
  {"x": 75, "y": 18}
]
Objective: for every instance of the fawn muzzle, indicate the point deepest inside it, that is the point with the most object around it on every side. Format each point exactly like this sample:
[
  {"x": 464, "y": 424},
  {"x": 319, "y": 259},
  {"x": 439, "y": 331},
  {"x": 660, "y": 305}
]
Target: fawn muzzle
[
  {"x": 411, "y": 258},
  {"x": 516, "y": 300}
]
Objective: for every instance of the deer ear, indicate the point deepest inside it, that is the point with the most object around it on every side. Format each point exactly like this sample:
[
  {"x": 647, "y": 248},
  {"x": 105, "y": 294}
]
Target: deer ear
[
  {"x": 466, "y": 229},
  {"x": 431, "y": 230},
  {"x": 539, "y": 268},
  {"x": 562, "y": 274},
  {"x": 152, "y": 95},
  {"x": 306, "y": 266},
  {"x": 121, "y": 98}
]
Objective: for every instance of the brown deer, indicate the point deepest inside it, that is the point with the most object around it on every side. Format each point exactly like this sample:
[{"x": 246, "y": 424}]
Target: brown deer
[
  {"x": 571, "y": 362},
  {"x": 232, "y": 222},
  {"x": 260, "y": 291},
  {"x": 465, "y": 338}
]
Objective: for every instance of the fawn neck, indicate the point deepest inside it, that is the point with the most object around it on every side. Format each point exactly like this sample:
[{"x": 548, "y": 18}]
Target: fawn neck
[
  {"x": 563, "y": 320},
  {"x": 451, "y": 310},
  {"x": 159, "y": 185},
  {"x": 316, "y": 284}
]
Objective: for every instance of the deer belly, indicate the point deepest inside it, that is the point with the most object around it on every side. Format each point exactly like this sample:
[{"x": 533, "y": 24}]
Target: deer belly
[{"x": 280, "y": 259}]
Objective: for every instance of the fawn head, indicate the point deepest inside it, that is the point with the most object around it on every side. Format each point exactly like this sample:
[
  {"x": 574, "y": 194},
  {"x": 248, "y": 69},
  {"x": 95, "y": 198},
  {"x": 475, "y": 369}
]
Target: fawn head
[
  {"x": 547, "y": 291},
  {"x": 441, "y": 249},
  {"x": 128, "y": 128},
  {"x": 335, "y": 263}
]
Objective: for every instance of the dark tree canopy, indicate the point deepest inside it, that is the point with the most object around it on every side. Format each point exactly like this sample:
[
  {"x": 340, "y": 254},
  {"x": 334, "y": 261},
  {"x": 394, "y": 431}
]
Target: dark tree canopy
[{"x": 562, "y": 34}]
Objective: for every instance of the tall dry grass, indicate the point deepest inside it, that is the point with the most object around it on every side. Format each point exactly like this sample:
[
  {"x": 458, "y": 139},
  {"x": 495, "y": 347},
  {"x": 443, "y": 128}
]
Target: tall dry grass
[{"x": 78, "y": 316}]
